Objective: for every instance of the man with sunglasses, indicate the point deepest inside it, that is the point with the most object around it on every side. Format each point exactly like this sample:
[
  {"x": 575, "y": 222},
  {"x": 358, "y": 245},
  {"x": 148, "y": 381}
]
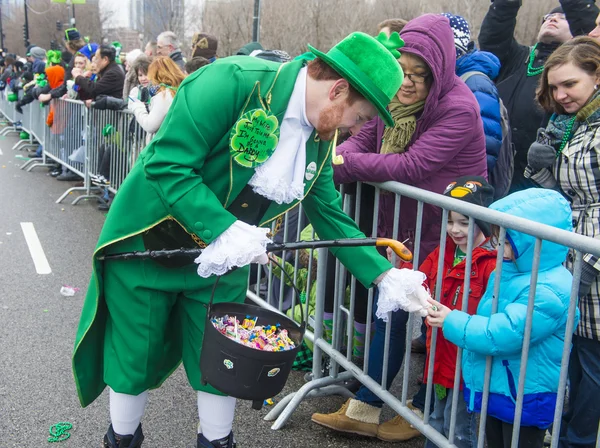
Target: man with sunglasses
[{"x": 522, "y": 66}]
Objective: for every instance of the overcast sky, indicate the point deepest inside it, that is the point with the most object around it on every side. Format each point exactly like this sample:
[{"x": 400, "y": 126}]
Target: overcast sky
[{"x": 121, "y": 8}]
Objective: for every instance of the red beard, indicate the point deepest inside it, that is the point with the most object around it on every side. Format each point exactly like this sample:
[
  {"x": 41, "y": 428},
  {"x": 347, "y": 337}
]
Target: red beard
[{"x": 329, "y": 121}]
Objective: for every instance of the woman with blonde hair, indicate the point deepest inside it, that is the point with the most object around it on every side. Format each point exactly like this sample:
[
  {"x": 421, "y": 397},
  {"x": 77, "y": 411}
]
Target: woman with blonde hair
[{"x": 150, "y": 106}]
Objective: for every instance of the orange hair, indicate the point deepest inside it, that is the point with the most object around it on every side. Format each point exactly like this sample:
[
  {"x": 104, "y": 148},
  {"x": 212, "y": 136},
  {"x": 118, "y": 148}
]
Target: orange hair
[{"x": 165, "y": 73}]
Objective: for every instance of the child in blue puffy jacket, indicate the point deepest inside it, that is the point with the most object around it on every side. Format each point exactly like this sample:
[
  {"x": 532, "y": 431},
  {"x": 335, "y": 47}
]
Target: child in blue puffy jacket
[{"x": 500, "y": 335}]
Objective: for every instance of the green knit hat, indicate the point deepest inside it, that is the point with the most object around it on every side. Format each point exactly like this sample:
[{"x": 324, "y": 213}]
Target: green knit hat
[{"x": 370, "y": 65}]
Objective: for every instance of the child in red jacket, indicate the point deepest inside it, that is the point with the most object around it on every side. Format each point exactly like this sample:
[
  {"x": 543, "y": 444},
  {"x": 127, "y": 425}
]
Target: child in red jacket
[{"x": 476, "y": 190}]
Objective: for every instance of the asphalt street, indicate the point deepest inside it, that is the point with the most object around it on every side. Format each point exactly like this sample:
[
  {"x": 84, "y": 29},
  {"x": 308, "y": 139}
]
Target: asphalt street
[{"x": 38, "y": 325}]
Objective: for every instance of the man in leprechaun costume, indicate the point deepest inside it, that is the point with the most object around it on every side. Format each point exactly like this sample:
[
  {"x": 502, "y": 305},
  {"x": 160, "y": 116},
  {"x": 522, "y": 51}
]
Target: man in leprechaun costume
[{"x": 239, "y": 147}]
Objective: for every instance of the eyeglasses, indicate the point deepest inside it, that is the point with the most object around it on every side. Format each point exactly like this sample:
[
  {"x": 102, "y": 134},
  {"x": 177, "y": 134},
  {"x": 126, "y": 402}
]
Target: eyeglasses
[
  {"x": 555, "y": 15},
  {"x": 416, "y": 79}
]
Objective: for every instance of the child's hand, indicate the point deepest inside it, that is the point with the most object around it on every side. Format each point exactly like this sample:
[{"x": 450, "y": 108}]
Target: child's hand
[
  {"x": 437, "y": 313},
  {"x": 272, "y": 257},
  {"x": 76, "y": 72}
]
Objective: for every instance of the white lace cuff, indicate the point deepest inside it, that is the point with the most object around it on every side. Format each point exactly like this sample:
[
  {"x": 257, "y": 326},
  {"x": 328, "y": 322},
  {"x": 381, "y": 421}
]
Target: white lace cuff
[
  {"x": 238, "y": 246},
  {"x": 275, "y": 188},
  {"x": 402, "y": 289}
]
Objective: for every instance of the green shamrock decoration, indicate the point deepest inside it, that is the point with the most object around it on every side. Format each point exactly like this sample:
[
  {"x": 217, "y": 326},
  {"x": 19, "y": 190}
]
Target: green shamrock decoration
[
  {"x": 254, "y": 138},
  {"x": 392, "y": 43}
]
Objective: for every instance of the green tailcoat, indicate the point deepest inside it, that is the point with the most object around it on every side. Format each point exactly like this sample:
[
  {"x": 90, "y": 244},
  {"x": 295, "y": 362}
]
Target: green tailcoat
[{"x": 187, "y": 174}]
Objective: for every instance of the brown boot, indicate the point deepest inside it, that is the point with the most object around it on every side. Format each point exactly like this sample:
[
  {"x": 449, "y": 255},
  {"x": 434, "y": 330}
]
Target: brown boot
[
  {"x": 398, "y": 429},
  {"x": 354, "y": 417}
]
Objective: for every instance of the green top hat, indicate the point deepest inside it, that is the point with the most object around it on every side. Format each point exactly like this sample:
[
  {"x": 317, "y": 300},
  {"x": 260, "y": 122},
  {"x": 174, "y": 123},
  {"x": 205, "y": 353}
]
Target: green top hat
[{"x": 370, "y": 65}]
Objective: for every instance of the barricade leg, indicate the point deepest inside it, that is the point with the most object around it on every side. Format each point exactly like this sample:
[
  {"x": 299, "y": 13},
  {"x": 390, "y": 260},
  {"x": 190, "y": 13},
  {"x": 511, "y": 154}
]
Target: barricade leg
[
  {"x": 319, "y": 386},
  {"x": 9, "y": 129},
  {"x": 39, "y": 162},
  {"x": 86, "y": 188},
  {"x": 315, "y": 388},
  {"x": 20, "y": 145}
]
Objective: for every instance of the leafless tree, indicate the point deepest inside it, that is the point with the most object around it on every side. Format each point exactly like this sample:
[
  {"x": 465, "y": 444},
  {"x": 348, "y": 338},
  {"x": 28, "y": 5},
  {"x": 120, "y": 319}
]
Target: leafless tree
[
  {"x": 43, "y": 17},
  {"x": 290, "y": 25}
]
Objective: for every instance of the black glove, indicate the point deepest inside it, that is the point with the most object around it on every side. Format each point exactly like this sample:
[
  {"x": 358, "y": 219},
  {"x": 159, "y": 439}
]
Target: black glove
[
  {"x": 588, "y": 276},
  {"x": 144, "y": 94},
  {"x": 540, "y": 156},
  {"x": 109, "y": 103}
]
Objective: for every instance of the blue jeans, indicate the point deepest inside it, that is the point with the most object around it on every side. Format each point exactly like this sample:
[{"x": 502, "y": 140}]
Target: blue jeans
[
  {"x": 396, "y": 350},
  {"x": 580, "y": 423},
  {"x": 465, "y": 432}
]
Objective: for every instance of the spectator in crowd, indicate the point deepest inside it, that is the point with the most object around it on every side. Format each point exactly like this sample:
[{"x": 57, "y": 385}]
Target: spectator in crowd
[
  {"x": 42, "y": 84},
  {"x": 165, "y": 77},
  {"x": 390, "y": 26},
  {"x": 131, "y": 77},
  {"x": 10, "y": 70},
  {"x": 66, "y": 57},
  {"x": 150, "y": 49},
  {"x": 482, "y": 68},
  {"x": 438, "y": 135},
  {"x": 475, "y": 190},
  {"x": 272, "y": 55},
  {"x": 565, "y": 157},
  {"x": 580, "y": 15},
  {"x": 55, "y": 74},
  {"x": 118, "y": 51},
  {"x": 83, "y": 60},
  {"x": 195, "y": 63},
  {"x": 137, "y": 75},
  {"x": 501, "y": 334},
  {"x": 130, "y": 57},
  {"x": 250, "y": 47},
  {"x": 38, "y": 60},
  {"x": 595, "y": 33},
  {"x": 205, "y": 45},
  {"x": 167, "y": 44},
  {"x": 74, "y": 43},
  {"x": 28, "y": 64},
  {"x": 521, "y": 68},
  {"x": 110, "y": 76}
]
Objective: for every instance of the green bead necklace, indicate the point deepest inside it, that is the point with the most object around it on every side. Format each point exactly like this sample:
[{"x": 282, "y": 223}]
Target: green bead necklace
[
  {"x": 60, "y": 432},
  {"x": 531, "y": 70},
  {"x": 566, "y": 136}
]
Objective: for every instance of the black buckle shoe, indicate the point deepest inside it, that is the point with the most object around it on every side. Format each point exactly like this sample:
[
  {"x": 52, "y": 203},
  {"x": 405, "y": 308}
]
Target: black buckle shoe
[
  {"x": 225, "y": 442},
  {"x": 112, "y": 440}
]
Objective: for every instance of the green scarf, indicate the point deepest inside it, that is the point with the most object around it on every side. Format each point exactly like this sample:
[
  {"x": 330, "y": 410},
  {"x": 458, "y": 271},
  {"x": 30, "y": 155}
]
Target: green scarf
[
  {"x": 558, "y": 125},
  {"x": 397, "y": 138}
]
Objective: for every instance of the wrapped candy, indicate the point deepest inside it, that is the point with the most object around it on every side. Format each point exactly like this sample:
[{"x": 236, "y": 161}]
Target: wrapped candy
[{"x": 270, "y": 338}]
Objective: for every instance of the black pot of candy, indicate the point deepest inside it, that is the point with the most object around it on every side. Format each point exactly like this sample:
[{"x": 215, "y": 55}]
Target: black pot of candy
[{"x": 244, "y": 372}]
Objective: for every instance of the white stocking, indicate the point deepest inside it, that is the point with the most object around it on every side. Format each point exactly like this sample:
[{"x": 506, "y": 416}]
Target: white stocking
[
  {"x": 216, "y": 415},
  {"x": 126, "y": 411}
]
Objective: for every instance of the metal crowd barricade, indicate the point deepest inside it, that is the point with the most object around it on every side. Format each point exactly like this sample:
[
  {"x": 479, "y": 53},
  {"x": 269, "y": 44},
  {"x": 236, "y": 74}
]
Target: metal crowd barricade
[
  {"x": 38, "y": 133},
  {"x": 88, "y": 142},
  {"x": 67, "y": 143},
  {"x": 115, "y": 141},
  {"x": 9, "y": 112},
  {"x": 321, "y": 385}
]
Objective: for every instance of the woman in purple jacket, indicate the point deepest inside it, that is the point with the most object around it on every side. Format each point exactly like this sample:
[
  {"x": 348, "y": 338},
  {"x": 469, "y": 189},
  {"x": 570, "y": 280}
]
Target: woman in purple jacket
[{"x": 438, "y": 137}]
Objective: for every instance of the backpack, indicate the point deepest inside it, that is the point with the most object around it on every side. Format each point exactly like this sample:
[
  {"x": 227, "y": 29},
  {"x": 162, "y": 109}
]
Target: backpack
[{"x": 501, "y": 176}]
